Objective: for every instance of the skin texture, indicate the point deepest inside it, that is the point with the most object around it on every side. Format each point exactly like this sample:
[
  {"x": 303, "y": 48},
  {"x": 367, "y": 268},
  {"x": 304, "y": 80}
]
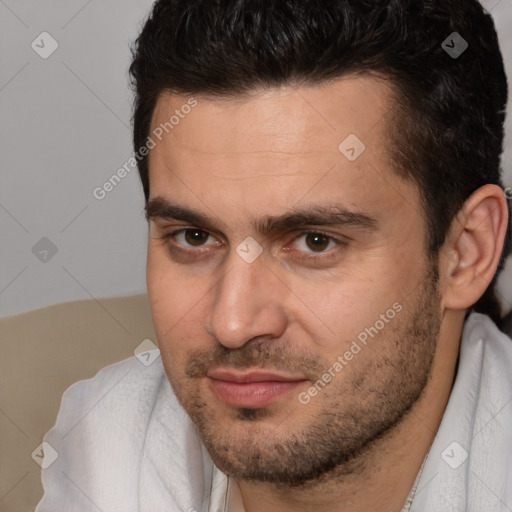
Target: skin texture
[{"x": 360, "y": 440}]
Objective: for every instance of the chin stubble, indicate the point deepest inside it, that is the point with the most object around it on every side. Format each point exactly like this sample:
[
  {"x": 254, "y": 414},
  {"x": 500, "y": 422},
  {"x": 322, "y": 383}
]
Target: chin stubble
[{"x": 344, "y": 422}]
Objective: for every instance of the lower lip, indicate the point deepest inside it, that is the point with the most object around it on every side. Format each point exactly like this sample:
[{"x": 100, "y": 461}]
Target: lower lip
[{"x": 251, "y": 394}]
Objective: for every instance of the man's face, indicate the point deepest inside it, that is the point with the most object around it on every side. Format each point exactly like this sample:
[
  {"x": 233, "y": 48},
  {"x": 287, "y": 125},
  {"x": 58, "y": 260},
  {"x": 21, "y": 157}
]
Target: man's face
[{"x": 294, "y": 306}]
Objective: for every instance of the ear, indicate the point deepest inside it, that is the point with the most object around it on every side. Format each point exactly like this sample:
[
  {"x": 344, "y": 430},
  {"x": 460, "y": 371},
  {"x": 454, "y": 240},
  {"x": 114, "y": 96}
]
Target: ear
[{"x": 471, "y": 253}]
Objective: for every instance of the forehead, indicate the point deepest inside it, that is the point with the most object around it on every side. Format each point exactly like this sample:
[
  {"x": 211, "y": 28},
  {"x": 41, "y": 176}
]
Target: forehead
[
  {"x": 267, "y": 152},
  {"x": 290, "y": 119}
]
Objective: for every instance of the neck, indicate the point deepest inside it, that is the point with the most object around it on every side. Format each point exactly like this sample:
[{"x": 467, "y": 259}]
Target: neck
[{"x": 382, "y": 476}]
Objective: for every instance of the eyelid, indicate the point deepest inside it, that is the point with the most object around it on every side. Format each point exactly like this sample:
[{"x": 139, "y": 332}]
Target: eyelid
[
  {"x": 315, "y": 232},
  {"x": 173, "y": 233},
  {"x": 340, "y": 241}
]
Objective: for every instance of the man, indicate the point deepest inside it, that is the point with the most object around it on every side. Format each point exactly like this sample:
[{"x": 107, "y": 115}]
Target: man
[{"x": 326, "y": 223}]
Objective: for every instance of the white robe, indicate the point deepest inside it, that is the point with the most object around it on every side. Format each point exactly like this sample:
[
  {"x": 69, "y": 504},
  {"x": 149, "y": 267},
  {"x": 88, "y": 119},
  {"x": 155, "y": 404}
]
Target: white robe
[{"x": 125, "y": 444}]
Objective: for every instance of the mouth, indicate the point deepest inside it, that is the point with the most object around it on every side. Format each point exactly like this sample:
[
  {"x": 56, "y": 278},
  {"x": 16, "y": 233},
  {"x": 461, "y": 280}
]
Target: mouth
[{"x": 251, "y": 388}]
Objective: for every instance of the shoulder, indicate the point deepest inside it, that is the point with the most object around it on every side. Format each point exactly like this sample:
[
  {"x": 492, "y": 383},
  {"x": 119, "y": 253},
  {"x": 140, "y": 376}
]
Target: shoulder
[
  {"x": 469, "y": 462},
  {"x": 123, "y": 388},
  {"x": 99, "y": 437},
  {"x": 481, "y": 333}
]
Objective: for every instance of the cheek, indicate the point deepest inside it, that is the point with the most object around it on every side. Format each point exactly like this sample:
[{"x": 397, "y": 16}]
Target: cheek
[
  {"x": 169, "y": 292},
  {"x": 335, "y": 311},
  {"x": 363, "y": 317},
  {"x": 175, "y": 307},
  {"x": 159, "y": 287}
]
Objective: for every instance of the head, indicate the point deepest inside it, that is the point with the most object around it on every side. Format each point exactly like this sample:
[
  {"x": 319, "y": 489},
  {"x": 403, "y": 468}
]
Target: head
[{"x": 315, "y": 207}]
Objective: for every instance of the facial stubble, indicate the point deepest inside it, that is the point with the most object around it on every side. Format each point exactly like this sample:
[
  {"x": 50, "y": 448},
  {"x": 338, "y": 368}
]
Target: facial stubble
[{"x": 343, "y": 421}]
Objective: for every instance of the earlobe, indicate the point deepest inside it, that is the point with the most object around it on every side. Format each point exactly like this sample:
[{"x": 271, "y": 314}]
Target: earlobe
[{"x": 475, "y": 243}]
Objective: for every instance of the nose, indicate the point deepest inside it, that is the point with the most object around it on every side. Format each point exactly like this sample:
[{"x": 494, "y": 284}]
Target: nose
[{"x": 248, "y": 302}]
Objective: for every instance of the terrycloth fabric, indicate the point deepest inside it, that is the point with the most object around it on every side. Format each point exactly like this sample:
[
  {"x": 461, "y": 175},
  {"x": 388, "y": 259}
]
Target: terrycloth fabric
[
  {"x": 126, "y": 445},
  {"x": 477, "y": 424}
]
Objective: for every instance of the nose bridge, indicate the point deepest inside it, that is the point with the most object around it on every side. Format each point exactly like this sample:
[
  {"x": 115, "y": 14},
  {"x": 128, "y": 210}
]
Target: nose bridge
[{"x": 247, "y": 303}]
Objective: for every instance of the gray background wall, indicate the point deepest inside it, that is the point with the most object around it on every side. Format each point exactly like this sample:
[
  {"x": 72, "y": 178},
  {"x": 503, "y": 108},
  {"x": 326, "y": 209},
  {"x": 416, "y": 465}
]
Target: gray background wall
[{"x": 64, "y": 130}]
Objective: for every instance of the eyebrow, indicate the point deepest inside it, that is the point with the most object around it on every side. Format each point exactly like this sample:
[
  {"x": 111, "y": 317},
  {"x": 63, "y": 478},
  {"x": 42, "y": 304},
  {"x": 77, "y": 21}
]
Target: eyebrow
[{"x": 328, "y": 215}]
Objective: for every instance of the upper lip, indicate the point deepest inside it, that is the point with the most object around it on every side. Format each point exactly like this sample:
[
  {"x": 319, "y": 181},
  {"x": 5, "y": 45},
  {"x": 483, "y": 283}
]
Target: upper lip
[{"x": 234, "y": 375}]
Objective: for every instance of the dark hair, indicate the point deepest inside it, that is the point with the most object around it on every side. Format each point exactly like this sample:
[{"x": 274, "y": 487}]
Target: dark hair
[{"x": 446, "y": 126}]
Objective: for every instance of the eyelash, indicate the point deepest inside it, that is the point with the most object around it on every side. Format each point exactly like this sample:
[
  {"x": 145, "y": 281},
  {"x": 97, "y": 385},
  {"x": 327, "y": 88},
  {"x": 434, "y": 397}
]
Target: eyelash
[{"x": 200, "y": 250}]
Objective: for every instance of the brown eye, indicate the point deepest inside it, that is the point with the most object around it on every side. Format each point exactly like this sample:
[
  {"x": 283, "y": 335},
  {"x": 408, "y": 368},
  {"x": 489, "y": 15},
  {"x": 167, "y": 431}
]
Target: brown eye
[
  {"x": 195, "y": 237},
  {"x": 191, "y": 237},
  {"x": 315, "y": 242}
]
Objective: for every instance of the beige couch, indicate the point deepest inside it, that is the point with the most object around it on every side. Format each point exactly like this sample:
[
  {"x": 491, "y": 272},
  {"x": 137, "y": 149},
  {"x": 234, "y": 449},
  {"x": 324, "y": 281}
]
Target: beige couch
[{"x": 42, "y": 353}]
